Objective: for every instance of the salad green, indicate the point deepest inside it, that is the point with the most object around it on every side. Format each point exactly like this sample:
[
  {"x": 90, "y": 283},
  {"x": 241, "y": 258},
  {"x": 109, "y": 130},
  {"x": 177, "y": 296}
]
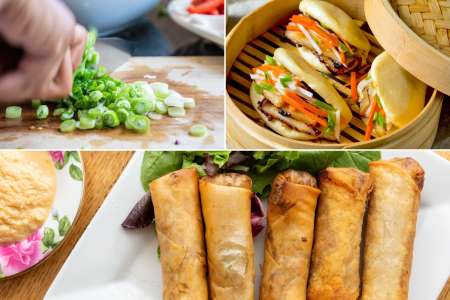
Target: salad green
[{"x": 261, "y": 166}]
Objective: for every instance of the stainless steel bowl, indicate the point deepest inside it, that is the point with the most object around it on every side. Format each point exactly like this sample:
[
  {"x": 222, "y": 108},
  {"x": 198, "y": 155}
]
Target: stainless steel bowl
[{"x": 109, "y": 16}]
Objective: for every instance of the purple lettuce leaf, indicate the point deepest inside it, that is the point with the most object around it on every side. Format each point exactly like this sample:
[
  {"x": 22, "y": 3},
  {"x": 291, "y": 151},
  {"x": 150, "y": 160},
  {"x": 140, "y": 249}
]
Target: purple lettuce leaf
[
  {"x": 141, "y": 215},
  {"x": 236, "y": 158},
  {"x": 210, "y": 167},
  {"x": 258, "y": 215}
]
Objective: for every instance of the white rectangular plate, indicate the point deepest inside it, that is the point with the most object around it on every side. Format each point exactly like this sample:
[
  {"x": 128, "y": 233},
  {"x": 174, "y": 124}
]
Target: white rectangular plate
[{"x": 111, "y": 263}]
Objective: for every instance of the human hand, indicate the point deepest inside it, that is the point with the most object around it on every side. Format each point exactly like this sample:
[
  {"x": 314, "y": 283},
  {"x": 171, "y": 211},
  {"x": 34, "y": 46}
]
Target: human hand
[{"x": 52, "y": 45}]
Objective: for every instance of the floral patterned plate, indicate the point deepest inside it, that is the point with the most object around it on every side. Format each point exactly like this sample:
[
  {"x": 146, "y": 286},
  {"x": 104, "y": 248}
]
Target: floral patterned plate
[{"x": 21, "y": 256}]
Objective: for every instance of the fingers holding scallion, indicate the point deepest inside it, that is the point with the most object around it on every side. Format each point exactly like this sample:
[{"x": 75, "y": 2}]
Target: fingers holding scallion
[{"x": 99, "y": 101}]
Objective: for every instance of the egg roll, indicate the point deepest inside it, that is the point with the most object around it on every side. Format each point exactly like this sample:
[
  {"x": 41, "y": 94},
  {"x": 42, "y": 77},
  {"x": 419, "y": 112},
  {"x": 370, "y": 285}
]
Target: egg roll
[
  {"x": 289, "y": 237},
  {"x": 226, "y": 207},
  {"x": 335, "y": 263},
  {"x": 179, "y": 229},
  {"x": 391, "y": 228}
]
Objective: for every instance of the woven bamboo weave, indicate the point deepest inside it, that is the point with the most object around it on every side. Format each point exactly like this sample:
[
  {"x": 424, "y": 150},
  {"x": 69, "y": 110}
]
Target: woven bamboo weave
[{"x": 430, "y": 19}]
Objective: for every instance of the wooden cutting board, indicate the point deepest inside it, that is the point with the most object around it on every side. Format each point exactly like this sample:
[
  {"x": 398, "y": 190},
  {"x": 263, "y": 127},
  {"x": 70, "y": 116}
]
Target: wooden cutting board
[{"x": 200, "y": 78}]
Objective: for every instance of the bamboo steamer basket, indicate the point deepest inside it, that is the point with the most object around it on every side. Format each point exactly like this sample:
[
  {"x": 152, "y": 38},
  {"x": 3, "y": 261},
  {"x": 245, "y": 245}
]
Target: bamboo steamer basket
[
  {"x": 257, "y": 34},
  {"x": 417, "y": 35}
]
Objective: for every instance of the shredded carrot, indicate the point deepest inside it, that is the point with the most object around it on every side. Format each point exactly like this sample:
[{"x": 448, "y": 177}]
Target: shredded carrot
[
  {"x": 372, "y": 110},
  {"x": 358, "y": 80},
  {"x": 293, "y": 28},
  {"x": 307, "y": 105},
  {"x": 277, "y": 71},
  {"x": 304, "y": 20},
  {"x": 296, "y": 105},
  {"x": 330, "y": 39},
  {"x": 353, "y": 86},
  {"x": 342, "y": 56}
]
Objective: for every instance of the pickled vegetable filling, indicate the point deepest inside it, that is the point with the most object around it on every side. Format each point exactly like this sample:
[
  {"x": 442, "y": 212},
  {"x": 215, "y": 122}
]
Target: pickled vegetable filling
[
  {"x": 333, "y": 51},
  {"x": 294, "y": 99}
]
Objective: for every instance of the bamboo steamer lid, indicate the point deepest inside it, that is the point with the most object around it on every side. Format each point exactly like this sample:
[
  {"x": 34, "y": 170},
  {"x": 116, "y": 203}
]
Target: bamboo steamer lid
[{"x": 417, "y": 35}]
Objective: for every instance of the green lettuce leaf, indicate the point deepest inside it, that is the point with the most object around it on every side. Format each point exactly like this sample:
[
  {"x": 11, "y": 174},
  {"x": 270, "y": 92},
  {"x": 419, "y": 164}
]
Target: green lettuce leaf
[{"x": 159, "y": 163}]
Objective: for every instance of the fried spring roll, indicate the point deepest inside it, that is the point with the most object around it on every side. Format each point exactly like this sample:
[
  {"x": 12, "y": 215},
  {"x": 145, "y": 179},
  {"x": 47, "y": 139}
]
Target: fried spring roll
[
  {"x": 335, "y": 264},
  {"x": 391, "y": 227},
  {"x": 180, "y": 234},
  {"x": 226, "y": 206},
  {"x": 289, "y": 238}
]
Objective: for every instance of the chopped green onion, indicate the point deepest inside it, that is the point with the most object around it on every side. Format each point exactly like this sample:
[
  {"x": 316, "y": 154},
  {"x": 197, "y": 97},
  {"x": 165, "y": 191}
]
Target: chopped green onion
[
  {"x": 189, "y": 103},
  {"x": 96, "y": 96},
  {"x": 266, "y": 75},
  {"x": 83, "y": 113},
  {"x": 99, "y": 122},
  {"x": 270, "y": 60},
  {"x": 160, "y": 108},
  {"x": 13, "y": 112},
  {"x": 123, "y": 104},
  {"x": 68, "y": 114},
  {"x": 285, "y": 80},
  {"x": 111, "y": 119},
  {"x": 68, "y": 126},
  {"x": 35, "y": 103},
  {"x": 155, "y": 116},
  {"x": 377, "y": 98},
  {"x": 176, "y": 112},
  {"x": 198, "y": 130},
  {"x": 160, "y": 89},
  {"x": 138, "y": 123},
  {"x": 122, "y": 114},
  {"x": 379, "y": 119},
  {"x": 264, "y": 87},
  {"x": 331, "y": 121},
  {"x": 86, "y": 123},
  {"x": 94, "y": 112},
  {"x": 42, "y": 112},
  {"x": 58, "y": 112},
  {"x": 142, "y": 106},
  {"x": 175, "y": 100},
  {"x": 324, "y": 105},
  {"x": 316, "y": 40}
]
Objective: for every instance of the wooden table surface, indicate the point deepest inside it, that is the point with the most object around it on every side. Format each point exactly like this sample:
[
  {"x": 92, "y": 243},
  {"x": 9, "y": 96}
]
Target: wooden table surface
[{"x": 102, "y": 171}]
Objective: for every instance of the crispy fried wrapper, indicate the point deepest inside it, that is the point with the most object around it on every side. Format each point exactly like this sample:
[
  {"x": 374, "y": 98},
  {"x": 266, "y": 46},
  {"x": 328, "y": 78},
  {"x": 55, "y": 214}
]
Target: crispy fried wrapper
[
  {"x": 180, "y": 234},
  {"x": 335, "y": 264},
  {"x": 226, "y": 206},
  {"x": 289, "y": 238},
  {"x": 391, "y": 228}
]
